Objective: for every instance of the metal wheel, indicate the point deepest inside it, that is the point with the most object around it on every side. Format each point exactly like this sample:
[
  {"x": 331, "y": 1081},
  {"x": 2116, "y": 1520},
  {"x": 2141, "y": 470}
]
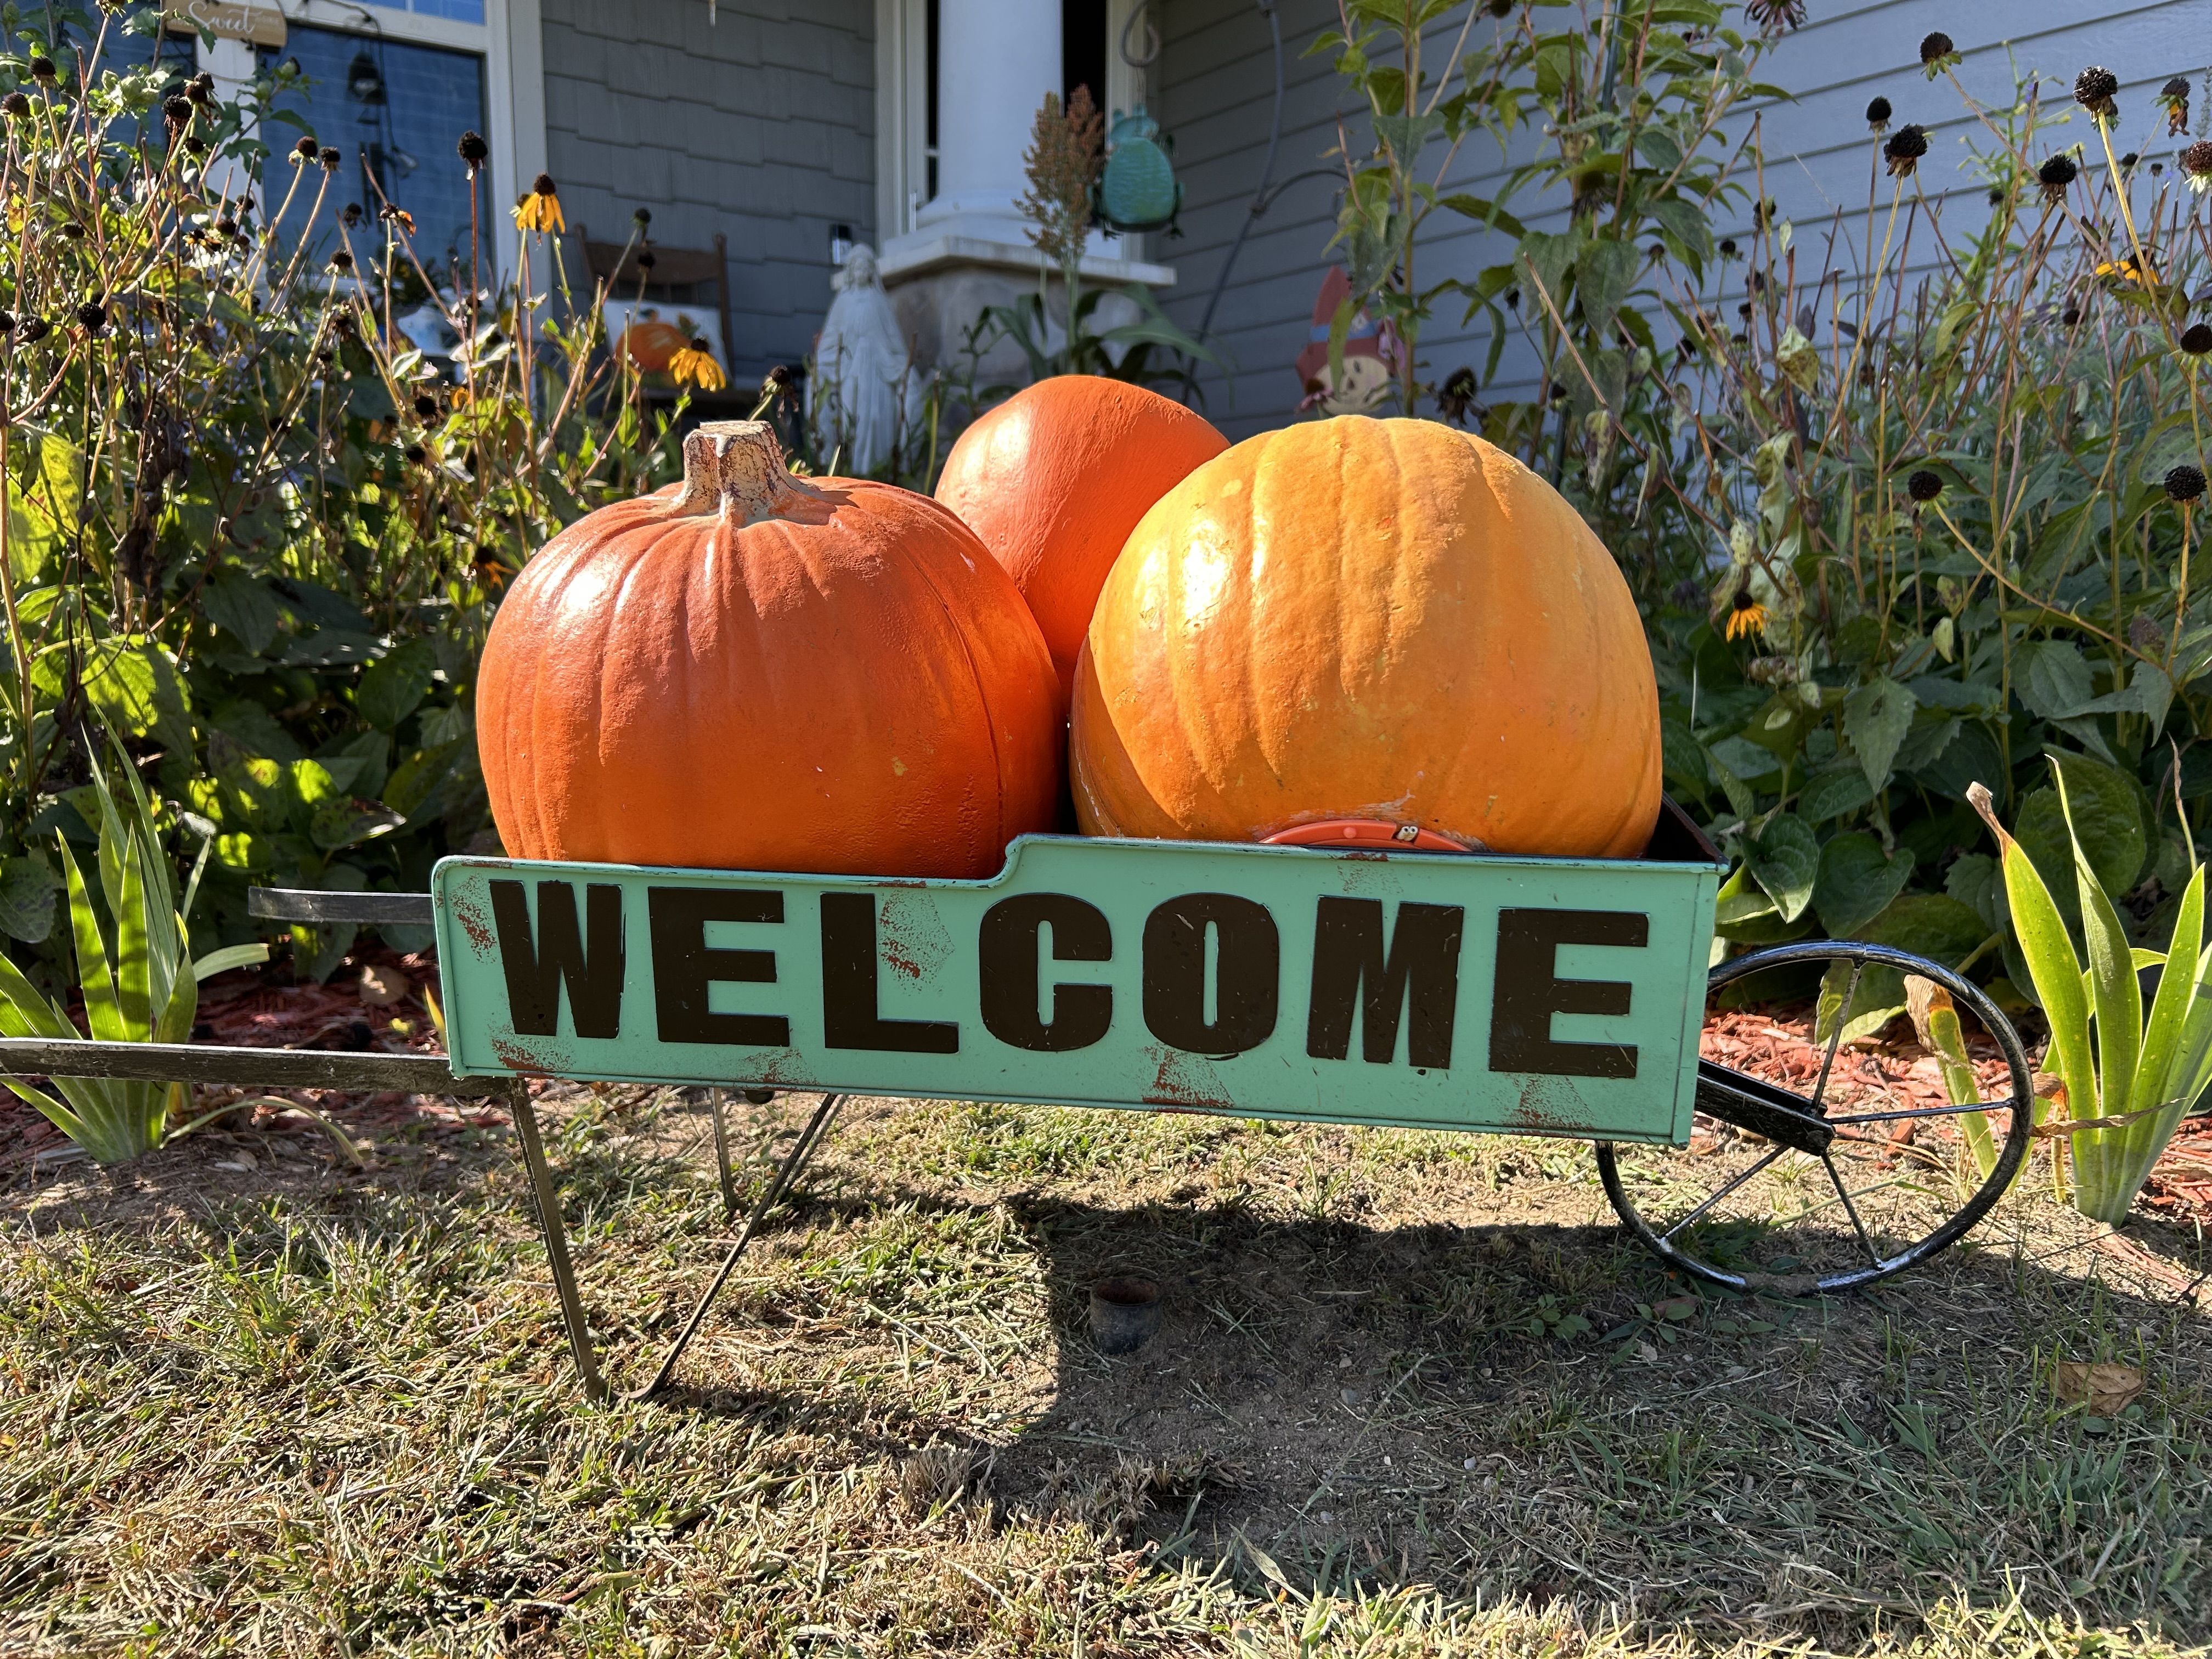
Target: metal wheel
[{"x": 1790, "y": 1192}]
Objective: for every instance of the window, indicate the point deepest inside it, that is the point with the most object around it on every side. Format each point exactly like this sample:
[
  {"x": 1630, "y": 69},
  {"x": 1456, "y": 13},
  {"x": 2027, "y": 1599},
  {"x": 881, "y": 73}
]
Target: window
[{"x": 394, "y": 110}]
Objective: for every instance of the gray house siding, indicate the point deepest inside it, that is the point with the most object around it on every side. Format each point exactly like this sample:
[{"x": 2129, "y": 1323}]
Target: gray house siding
[
  {"x": 760, "y": 125},
  {"x": 1216, "y": 95}
]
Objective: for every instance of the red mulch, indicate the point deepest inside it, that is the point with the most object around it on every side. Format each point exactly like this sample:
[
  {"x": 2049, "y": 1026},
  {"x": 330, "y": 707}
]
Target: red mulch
[
  {"x": 1777, "y": 1043},
  {"x": 257, "y": 1009}
]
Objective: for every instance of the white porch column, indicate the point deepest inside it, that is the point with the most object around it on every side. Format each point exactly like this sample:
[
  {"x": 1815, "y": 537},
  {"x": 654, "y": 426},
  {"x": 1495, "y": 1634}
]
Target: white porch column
[{"x": 996, "y": 60}]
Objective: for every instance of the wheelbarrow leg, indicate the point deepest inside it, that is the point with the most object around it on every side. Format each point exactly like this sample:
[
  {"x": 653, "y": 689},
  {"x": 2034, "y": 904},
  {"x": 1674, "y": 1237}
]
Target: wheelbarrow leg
[
  {"x": 556, "y": 1238},
  {"x": 722, "y": 1156},
  {"x": 809, "y": 1138}
]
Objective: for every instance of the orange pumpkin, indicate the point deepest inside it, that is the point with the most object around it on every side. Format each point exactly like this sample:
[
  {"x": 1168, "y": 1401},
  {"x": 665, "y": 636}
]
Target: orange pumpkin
[
  {"x": 1055, "y": 479},
  {"x": 650, "y": 345},
  {"x": 1367, "y": 619},
  {"x": 751, "y": 671}
]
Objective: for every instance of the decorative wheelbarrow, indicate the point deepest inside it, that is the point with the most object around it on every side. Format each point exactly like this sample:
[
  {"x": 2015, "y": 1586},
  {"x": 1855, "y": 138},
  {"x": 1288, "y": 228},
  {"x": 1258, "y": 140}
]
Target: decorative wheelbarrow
[{"x": 1366, "y": 981}]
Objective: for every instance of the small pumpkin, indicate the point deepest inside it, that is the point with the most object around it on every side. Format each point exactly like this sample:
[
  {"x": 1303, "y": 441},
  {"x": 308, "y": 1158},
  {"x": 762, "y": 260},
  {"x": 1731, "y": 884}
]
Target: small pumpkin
[
  {"x": 1357, "y": 618},
  {"x": 1054, "y": 479},
  {"x": 651, "y": 344},
  {"x": 751, "y": 671}
]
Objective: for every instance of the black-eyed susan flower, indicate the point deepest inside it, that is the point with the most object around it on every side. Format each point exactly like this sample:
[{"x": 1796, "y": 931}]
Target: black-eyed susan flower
[
  {"x": 540, "y": 208},
  {"x": 1905, "y": 149},
  {"x": 1938, "y": 54},
  {"x": 2094, "y": 89},
  {"x": 2055, "y": 174},
  {"x": 42, "y": 69},
  {"x": 472, "y": 149},
  {"x": 1878, "y": 114},
  {"x": 1746, "y": 615},
  {"x": 16, "y": 104},
  {"x": 2196, "y": 339},
  {"x": 304, "y": 151},
  {"x": 1775, "y": 16},
  {"x": 2184, "y": 484},
  {"x": 2071, "y": 316},
  {"x": 695, "y": 365},
  {"x": 1924, "y": 486},
  {"x": 2174, "y": 99}
]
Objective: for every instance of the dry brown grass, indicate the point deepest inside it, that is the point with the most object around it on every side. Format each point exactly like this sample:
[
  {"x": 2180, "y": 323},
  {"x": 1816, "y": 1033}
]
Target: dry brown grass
[{"x": 303, "y": 1409}]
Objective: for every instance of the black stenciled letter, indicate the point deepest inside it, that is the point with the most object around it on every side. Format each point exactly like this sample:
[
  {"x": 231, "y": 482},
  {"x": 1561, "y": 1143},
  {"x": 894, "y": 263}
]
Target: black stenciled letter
[
  {"x": 1529, "y": 991},
  {"x": 684, "y": 969},
  {"x": 536, "y": 968},
  {"x": 848, "y": 987},
  {"x": 1352, "y": 968},
  {"x": 1007, "y": 972},
  {"x": 1247, "y": 981}
]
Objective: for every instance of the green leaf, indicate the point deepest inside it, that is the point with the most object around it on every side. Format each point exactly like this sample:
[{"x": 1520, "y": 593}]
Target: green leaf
[
  {"x": 2118, "y": 995},
  {"x": 231, "y": 956},
  {"x": 243, "y": 608},
  {"x": 2170, "y": 1007},
  {"x": 1829, "y": 795},
  {"x": 28, "y": 886},
  {"x": 2050, "y": 676},
  {"x": 1931, "y": 925},
  {"x": 1974, "y": 881},
  {"x": 1857, "y": 882},
  {"x": 134, "y": 684},
  {"x": 2049, "y": 953},
  {"x": 1549, "y": 258},
  {"x": 2107, "y": 811},
  {"x": 1876, "y": 717},
  {"x": 1785, "y": 860},
  {"x": 1604, "y": 271},
  {"x": 395, "y": 682},
  {"x": 1406, "y": 135}
]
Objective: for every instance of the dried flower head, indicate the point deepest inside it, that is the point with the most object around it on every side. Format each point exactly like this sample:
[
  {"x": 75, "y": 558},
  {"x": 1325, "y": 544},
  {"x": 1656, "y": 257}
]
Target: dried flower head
[
  {"x": 195, "y": 144},
  {"x": 330, "y": 158},
  {"x": 7, "y": 322},
  {"x": 34, "y": 328},
  {"x": 473, "y": 149},
  {"x": 646, "y": 258},
  {"x": 92, "y": 317},
  {"x": 1937, "y": 53},
  {"x": 426, "y": 406},
  {"x": 695, "y": 365},
  {"x": 1878, "y": 114},
  {"x": 72, "y": 231},
  {"x": 2196, "y": 339},
  {"x": 201, "y": 90},
  {"x": 2071, "y": 316},
  {"x": 2093, "y": 89},
  {"x": 1923, "y": 485},
  {"x": 304, "y": 151},
  {"x": 416, "y": 453},
  {"x": 1455, "y": 397},
  {"x": 2184, "y": 483},
  {"x": 225, "y": 225},
  {"x": 2127, "y": 161},
  {"x": 350, "y": 215},
  {"x": 176, "y": 110},
  {"x": 2174, "y": 99},
  {"x": 2056, "y": 173},
  {"x": 42, "y": 69},
  {"x": 1065, "y": 154},
  {"x": 1727, "y": 247},
  {"x": 341, "y": 260},
  {"x": 641, "y": 216},
  {"x": 1775, "y": 16},
  {"x": 2196, "y": 162},
  {"x": 1903, "y": 149},
  {"x": 16, "y": 104}
]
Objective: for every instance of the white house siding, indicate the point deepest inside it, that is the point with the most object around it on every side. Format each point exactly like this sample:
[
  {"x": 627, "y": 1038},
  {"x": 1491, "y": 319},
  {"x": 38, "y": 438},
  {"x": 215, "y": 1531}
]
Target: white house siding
[
  {"x": 1217, "y": 79},
  {"x": 759, "y": 125}
]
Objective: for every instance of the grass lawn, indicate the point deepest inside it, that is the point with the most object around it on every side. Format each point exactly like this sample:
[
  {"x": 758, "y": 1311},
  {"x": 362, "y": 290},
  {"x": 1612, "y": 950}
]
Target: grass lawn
[{"x": 1414, "y": 1394}]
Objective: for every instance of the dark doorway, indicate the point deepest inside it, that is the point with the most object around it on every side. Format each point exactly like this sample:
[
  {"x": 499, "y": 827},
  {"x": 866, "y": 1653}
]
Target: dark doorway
[{"x": 1083, "y": 48}]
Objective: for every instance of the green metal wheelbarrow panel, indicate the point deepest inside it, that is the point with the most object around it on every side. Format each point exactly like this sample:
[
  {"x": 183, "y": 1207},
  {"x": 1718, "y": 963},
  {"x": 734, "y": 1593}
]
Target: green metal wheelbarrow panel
[{"x": 1530, "y": 995}]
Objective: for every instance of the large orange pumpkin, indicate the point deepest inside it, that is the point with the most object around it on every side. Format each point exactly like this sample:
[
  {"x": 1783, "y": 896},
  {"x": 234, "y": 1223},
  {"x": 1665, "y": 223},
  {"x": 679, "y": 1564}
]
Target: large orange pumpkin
[
  {"x": 1055, "y": 479},
  {"x": 1363, "y": 618},
  {"x": 751, "y": 671}
]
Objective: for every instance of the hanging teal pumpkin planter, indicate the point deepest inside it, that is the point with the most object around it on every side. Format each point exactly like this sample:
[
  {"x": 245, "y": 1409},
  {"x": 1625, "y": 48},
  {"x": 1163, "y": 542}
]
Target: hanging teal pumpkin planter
[{"x": 1138, "y": 190}]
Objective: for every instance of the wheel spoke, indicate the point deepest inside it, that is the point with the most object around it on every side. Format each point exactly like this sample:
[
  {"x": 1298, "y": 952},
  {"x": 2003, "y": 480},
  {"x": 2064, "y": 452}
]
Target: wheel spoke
[
  {"x": 1851, "y": 1210},
  {"x": 1836, "y": 1037},
  {"x": 1722, "y": 1194},
  {"x": 1920, "y": 1111}
]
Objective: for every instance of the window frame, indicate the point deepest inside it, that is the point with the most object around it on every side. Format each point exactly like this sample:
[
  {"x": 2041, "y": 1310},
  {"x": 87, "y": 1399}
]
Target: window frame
[{"x": 508, "y": 40}]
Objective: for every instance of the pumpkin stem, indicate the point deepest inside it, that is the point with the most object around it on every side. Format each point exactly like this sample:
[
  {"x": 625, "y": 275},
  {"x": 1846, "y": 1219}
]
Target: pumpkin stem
[{"x": 735, "y": 467}]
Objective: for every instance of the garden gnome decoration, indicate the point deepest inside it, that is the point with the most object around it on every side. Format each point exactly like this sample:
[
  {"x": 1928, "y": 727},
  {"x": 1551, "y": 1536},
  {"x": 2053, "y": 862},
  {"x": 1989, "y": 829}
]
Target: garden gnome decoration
[
  {"x": 863, "y": 394},
  {"x": 1372, "y": 354}
]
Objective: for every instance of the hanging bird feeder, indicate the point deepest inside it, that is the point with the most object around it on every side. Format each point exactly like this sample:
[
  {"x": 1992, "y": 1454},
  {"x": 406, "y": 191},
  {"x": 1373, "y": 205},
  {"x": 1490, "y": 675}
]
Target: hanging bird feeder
[{"x": 1138, "y": 190}]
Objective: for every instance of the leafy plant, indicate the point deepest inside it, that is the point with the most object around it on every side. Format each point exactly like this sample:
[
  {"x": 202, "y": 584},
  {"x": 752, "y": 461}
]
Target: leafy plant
[
  {"x": 2128, "y": 1080},
  {"x": 140, "y": 981}
]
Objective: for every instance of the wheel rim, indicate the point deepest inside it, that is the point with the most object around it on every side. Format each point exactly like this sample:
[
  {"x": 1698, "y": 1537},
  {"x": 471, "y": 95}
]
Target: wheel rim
[{"x": 1747, "y": 1212}]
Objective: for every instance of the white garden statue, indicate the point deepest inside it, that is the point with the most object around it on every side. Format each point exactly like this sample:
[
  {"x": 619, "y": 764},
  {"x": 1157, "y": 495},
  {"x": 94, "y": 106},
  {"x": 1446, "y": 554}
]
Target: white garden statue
[{"x": 864, "y": 396}]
